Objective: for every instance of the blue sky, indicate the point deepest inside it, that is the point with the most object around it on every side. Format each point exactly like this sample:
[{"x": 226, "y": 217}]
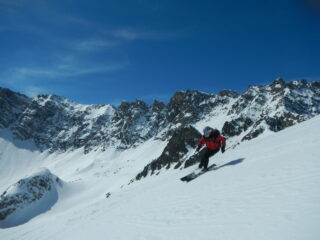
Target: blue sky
[{"x": 96, "y": 52}]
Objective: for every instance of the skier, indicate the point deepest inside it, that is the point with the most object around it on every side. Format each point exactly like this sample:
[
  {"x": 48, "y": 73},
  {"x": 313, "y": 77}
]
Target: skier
[{"x": 214, "y": 141}]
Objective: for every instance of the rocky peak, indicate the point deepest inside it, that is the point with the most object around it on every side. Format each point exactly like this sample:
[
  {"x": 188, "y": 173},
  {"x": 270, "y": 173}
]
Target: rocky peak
[
  {"x": 253, "y": 91},
  {"x": 228, "y": 93},
  {"x": 186, "y": 97},
  {"x": 278, "y": 85},
  {"x": 184, "y": 107},
  {"x": 278, "y": 81},
  {"x": 133, "y": 109},
  {"x": 158, "y": 106}
]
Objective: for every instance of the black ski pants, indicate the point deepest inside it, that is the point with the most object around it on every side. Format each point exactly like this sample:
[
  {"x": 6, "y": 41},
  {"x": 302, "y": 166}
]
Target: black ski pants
[{"x": 205, "y": 158}]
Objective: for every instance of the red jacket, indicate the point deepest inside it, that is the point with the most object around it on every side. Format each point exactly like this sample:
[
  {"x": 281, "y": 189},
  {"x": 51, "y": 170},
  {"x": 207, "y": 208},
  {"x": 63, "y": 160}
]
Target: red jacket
[{"x": 212, "y": 142}]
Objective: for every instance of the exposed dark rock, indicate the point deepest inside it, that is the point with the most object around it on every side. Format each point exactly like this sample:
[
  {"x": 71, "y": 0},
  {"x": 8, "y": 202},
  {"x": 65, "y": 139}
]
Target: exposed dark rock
[
  {"x": 253, "y": 134},
  {"x": 279, "y": 123},
  {"x": 275, "y": 124},
  {"x": 299, "y": 103},
  {"x": 278, "y": 85},
  {"x": 11, "y": 106},
  {"x": 315, "y": 85},
  {"x": 158, "y": 106},
  {"x": 186, "y": 107},
  {"x": 25, "y": 192},
  {"x": 7, "y": 212},
  {"x": 236, "y": 126},
  {"x": 182, "y": 140},
  {"x": 228, "y": 93}
]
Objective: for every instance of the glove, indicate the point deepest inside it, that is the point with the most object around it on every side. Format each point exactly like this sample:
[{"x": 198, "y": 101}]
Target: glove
[
  {"x": 223, "y": 149},
  {"x": 198, "y": 149}
]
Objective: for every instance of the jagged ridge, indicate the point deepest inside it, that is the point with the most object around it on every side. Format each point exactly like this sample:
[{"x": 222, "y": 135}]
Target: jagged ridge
[{"x": 58, "y": 124}]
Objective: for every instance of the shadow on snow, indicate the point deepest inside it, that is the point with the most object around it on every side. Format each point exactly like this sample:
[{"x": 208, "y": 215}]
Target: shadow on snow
[
  {"x": 231, "y": 163},
  {"x": 212, "y": 167}
]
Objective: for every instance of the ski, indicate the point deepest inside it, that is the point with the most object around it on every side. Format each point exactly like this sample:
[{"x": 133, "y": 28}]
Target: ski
[{"x": 197, "y": 173}]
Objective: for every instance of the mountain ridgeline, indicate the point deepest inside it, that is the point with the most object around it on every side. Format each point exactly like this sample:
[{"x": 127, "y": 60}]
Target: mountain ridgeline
[{"x": 56, "y": 124}]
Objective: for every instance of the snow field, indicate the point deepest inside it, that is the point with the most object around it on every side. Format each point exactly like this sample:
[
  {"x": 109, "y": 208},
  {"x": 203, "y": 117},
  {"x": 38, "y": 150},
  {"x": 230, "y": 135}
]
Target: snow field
[{"x": 267, "y": 188}]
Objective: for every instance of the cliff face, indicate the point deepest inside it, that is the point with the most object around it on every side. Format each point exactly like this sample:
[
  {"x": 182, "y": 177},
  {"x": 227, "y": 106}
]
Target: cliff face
[
  {"x": 58, "y": 124},
  {"x": 11, "y": 106}
]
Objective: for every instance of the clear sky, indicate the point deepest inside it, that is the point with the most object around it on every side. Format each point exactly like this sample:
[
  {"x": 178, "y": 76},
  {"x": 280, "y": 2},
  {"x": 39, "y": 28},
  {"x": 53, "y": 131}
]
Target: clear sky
[{"x": 96, "y": 52}]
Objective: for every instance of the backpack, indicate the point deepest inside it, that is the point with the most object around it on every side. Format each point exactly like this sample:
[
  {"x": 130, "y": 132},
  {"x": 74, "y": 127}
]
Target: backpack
[{"x": 215, "y": 133}]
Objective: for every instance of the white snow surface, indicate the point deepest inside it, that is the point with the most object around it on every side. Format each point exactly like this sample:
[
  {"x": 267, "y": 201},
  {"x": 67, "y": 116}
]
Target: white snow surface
[{"x": 266, "y": 188}]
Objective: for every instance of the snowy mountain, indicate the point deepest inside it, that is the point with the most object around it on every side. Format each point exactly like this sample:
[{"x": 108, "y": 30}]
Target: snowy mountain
[
  {"x": 58, "y": 124},
  {"x": 266, "y": 188}
]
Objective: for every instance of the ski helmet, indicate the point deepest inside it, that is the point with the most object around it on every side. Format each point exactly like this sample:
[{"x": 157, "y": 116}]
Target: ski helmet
[{"x": 207, "y": 131}]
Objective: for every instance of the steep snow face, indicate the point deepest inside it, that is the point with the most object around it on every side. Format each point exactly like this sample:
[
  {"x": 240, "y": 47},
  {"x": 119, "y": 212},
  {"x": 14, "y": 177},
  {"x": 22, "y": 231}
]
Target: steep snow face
[
  {"x": 267, "y": 188},
  {"x": 28, "y": 198},
  {"x": 17, "y": 158}
]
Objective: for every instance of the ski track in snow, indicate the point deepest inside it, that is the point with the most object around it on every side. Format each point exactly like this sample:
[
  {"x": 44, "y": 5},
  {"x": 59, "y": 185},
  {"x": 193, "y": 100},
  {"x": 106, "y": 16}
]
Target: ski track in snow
[{"x": 272, "y": 194}]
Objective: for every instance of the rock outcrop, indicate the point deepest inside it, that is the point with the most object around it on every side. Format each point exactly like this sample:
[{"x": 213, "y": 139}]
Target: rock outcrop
[
  {"x": 28, "y": 198},
  {"x": 182, "y": 141}
]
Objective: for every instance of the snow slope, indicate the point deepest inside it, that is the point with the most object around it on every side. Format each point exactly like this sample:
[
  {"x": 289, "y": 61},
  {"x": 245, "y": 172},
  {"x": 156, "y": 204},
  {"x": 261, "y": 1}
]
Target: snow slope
[{"x": 267, "y": 188}]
